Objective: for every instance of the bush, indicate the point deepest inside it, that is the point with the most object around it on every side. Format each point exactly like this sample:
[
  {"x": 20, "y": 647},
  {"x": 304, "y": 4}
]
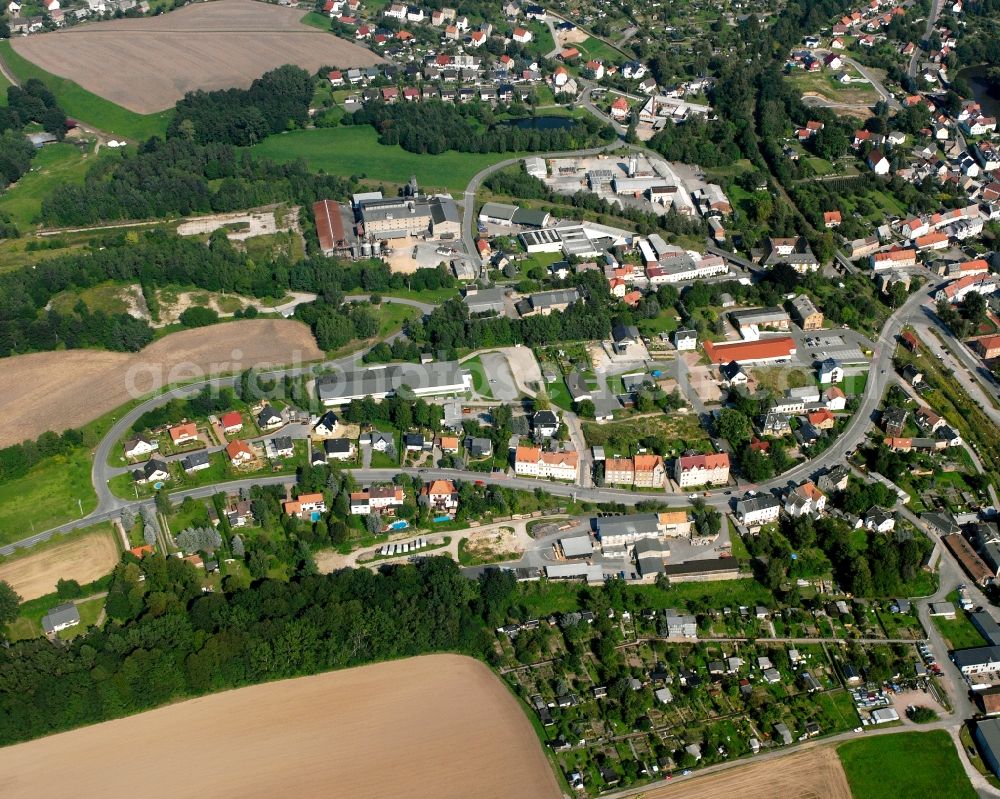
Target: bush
[
  {"x": 198, "y": 317},
  {"x": 922, "y": 715},
  {"x": 68, "y": 589}
]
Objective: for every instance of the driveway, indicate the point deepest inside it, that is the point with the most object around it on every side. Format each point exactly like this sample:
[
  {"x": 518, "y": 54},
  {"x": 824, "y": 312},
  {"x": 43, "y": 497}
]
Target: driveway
[{"x": 501, "y": 378}]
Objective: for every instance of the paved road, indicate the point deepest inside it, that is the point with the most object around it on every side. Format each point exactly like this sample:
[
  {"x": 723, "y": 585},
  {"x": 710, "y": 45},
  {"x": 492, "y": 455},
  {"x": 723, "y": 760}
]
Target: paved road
[
  {"x": 879, "y": 87},
  {"x": 965, "y": 366},
  {"x": 936, "y": 6}
]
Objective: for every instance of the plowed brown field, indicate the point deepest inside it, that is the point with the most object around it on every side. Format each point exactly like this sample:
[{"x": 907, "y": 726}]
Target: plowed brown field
[
  {"x": 148, "y": 64},
  {"x": 84, "y": 559},
  {"x": 435, "y": 727},
  {"x": 810, "y": 774},
  {"x": 57, "y": 390}
]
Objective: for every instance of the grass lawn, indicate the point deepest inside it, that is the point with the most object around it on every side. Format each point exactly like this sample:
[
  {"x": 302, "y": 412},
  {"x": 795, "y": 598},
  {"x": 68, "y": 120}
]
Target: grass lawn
[
  {"x": 559, "y": 394},
  {"x": 958, "y": 631},
  {"x": 347, "y": 151},
  {"x": 429, "y": 296},
  {"x": 732, "y": 170},
  {"x": 539, "y": 259},
  {"x": 4, "y": 85},
  {"x": 906, "y": 766},
  {"x": 84, "y": 105},
  {"x": 824, "y": 83},
  {"x": 544, "y": 598},
  {"x": 820, "y": 166},
  {"x": 888, "y": 203},
  {"x": 104, "y": 297},
  {"x": 392, "y": 315},
  {"x": 52, "y": 166},
  {"x": 89, "y": 610},
  {"x": 739, "y": 549},
  {"x": 29, "y": 623},
  {"x": 46, "y": 496},
  {"x": 598, "y": 49},
  {"x": 839, "y": 706},
  {"x": 855, "y": 384},
  {"x": 664, "y": 322},
  {"x": 316, "y": 20},
  {"x": 479, "y": 380}
]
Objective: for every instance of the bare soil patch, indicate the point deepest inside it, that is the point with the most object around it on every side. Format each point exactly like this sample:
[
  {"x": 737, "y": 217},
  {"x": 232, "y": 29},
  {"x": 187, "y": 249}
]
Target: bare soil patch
[
  {"x": 439, "y": 726},
  {"x": 148, "y": 64},
  {"x": 488, "y": 546},
  {"x": 809, "y": 774},
  {"x": 57, "y": 390},
  {"x": 84, "y": 559}
]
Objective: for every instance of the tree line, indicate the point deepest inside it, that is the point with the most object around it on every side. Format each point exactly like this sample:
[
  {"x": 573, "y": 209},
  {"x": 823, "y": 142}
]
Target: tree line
[
  {"x": 179, "y": 177},
  {"x": 166, "y": 640},
  {"x": 435, "y": 127}
]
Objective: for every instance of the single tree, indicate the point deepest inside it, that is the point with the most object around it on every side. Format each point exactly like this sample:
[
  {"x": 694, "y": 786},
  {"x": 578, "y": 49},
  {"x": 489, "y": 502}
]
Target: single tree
[{"x": 10, "y": 604}]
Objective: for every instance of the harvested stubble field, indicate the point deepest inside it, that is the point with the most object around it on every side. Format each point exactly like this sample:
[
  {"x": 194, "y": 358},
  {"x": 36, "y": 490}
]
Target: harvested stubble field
[
  {"x": 84, "y": 559},
  {"x": 148, "y": 64},
  {"x": 810, "y": 774},
  {"x": 438, "y": 726},
  {"x": 47, "y": 390}
]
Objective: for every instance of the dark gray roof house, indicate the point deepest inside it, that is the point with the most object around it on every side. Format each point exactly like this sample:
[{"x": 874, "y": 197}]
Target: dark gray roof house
[
  {"x": 413, "y": 441},
  {"x": 60, "y": 617},
  {"x": 153, "y": 469},
  {"x": 337, "y": 446},
  {"x": 625, "y": 334},
  {"x": 194, "y": 461},
  {"x": 478, "y": 447},
  {"x": 732, "y": 371},
  {"x": 268, "y": 417}
]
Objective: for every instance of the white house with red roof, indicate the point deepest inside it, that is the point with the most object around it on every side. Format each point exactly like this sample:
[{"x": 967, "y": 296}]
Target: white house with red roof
[
  {"x": 620, "y": 109},
  {"x": 697, "y": 470}
]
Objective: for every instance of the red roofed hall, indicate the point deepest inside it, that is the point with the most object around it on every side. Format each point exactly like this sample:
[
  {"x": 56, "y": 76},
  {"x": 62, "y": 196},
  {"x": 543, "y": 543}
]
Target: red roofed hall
[
  {"x": 333, "y": 227},
  {"x": 770, "y": 350}
]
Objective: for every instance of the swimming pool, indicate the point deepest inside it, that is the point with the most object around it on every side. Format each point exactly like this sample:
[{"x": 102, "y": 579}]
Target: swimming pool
[
  {"x": 442, "y": 518},
  {"x": 402, "y": 524},
  {"x": 315, "y": 516}
]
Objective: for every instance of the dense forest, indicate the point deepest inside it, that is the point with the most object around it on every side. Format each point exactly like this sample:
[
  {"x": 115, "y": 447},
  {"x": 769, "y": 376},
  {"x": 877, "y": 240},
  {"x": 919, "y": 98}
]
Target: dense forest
[
  {"x": 866, "y": 566},
  {"x": 980, "y": 41},
  {"x": 276, "y": 101},
  {"x": 167, "y": 640},
  {"x": 179, "y": 177},
  {"x": 435, "y": 127}
]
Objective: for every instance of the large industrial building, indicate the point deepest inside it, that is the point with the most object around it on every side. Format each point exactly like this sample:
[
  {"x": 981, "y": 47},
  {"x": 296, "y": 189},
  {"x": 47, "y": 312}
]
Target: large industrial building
[{"x": 379, "y": 382}]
